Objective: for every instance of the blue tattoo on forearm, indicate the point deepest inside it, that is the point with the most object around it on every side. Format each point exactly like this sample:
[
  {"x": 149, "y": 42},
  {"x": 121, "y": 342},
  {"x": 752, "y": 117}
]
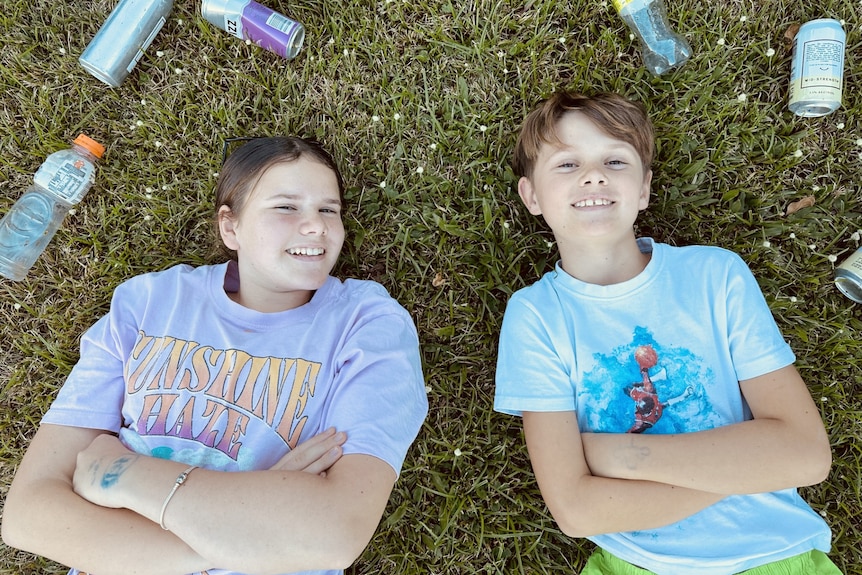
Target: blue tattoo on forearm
[{"x": 113, "y": 473}]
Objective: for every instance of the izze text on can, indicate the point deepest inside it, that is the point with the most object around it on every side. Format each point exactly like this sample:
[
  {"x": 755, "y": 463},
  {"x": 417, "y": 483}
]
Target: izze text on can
[{"x": 248, "y": 20}]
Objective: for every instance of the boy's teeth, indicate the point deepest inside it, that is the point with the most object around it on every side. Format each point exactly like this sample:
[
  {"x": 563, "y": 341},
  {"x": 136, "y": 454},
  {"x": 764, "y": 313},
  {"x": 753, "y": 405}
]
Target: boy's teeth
[
  {"x": 305, "y": 251},
  {"x": 591, "y": 202}
]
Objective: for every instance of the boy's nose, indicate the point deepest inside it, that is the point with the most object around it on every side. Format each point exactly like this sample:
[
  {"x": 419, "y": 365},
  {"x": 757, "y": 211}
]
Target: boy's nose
[{"x": 593, "y": 176}]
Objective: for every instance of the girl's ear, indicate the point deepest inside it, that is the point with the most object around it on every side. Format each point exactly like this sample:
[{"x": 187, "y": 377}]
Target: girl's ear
[
  {"x": 227, "y": 228},
  {"x": 528, "y": 196}
]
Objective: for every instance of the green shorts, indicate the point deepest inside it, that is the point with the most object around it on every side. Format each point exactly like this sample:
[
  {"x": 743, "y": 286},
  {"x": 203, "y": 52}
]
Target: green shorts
[{"x": 812, "y": 563}]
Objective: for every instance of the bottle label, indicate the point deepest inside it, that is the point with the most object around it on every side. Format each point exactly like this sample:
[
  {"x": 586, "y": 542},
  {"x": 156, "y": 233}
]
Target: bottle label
[
  {"x": 620, "y": 4},
  {"x": 68, "y": 179}
]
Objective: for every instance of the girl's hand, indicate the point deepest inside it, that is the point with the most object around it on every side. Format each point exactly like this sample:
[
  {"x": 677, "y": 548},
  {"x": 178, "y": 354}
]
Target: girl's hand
[
  {"x": 99, "y": 468},
  {"x": 315, "y": 455}
]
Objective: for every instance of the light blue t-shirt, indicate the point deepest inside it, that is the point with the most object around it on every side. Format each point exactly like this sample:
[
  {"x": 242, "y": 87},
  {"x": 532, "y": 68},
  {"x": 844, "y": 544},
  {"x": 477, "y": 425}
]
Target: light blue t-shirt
[
  {"x": 660, "y": 353},
  {"x": 182, "y": 372}
]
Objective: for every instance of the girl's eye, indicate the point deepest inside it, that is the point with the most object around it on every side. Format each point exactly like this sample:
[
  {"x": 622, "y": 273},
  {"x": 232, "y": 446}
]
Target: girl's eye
[
  {"x": 568, "y": 165},
  {"x": 288, "y": 208},
  {"x": 617, "y": 163},
  {"x": 329, "y": 210}
]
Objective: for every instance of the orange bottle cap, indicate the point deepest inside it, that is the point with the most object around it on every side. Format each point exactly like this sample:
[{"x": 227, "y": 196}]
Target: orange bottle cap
[{"x": 90, "y": 144}]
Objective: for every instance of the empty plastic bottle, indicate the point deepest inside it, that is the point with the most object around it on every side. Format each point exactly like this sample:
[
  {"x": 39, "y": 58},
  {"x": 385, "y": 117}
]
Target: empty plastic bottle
[
  {"x": 61, "y": 181},
  {"x": 661, "y": 47}
]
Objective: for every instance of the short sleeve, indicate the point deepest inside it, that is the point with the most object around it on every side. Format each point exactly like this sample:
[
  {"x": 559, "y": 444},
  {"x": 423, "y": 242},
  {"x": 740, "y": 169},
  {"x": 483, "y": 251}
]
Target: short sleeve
[
  {"x": 93, "y": 394},
  {"x": 379, "y": 395},
  {"x": 756, "y": 344},
  {"x": 535, "y": 361}
]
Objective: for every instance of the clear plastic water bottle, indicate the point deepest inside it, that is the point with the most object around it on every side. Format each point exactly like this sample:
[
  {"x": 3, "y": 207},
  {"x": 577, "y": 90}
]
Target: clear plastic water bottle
[
  {"x": 61, "y": 181},
  {"x": 661, "y": 47}
]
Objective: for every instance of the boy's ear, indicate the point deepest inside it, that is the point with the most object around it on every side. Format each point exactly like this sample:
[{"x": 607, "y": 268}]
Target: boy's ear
[
  {"x": 645, "y": 191},
  {"x": 528, "y": 196},
  {"x": 227, "y": 228}
]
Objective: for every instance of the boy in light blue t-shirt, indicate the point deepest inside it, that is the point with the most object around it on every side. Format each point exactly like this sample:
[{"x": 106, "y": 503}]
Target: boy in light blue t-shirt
[{"x": 663, "y": 415}]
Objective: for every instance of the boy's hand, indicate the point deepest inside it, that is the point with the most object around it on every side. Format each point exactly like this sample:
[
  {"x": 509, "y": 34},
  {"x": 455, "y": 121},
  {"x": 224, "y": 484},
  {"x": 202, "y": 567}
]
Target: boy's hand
[{"x": 315, "y": 455}]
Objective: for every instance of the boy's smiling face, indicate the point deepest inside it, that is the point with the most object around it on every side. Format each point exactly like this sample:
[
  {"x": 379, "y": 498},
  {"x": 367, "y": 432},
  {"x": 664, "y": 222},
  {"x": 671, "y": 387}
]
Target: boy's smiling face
[{"x": 587, "y": 185}]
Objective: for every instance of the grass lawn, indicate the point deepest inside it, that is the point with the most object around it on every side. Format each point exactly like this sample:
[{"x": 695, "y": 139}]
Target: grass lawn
[{"x": 419, "y": 101}]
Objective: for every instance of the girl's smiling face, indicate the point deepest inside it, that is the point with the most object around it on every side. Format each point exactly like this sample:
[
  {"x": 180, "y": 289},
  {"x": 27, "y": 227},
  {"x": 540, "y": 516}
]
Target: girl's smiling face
[{"x": 288, "y": 235}]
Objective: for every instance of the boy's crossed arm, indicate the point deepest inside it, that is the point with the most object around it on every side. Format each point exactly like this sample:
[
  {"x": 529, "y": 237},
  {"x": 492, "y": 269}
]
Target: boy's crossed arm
[
  {"x": 603, "y": 483},
  {"x": 784, "y": 446}
]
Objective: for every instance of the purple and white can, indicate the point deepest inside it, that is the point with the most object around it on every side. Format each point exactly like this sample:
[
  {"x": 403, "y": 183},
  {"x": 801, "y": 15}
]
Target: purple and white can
[{"x": 248, "y": 20}]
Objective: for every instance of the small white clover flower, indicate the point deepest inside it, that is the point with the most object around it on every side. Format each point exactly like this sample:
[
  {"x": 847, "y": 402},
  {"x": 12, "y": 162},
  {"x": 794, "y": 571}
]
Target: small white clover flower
[
  {"x": 483, "y": 128},
  {"x": 166, "y": 187},
  {"x": 812, "y": 247},
  {"x": 832, "y": 258},
  {"x": 148, "y": 190},
  {"x": 457, "y": 452},
  {"x": 157, "y": 144},
  {"x": 742, "y": 97},
  {"x": 798, "y": 153},
  {"x": 859, "y": 142},
  {"x": 855, "y": 236},
  {"x": 420, "y": 169},
  {"x": 375, "y": 118},
  {"x": 743, "y": 18},
  {"x": 767, "y": 244},
  {"x": 823, "y": 513},
  {"x": 17, "y": 306},
  {"x": 148, "y": 217},
  {"x": 843, "y": 23},
  {"x": 396, "y": 116},
  {"x": 792, "y": 236},
  {"x": 178, "y": 70},
  {"x": 770, "y": 53},
  {"x": 382, "y": 184},
  {"x": 562, "y": 39},
  {"x": 840, "y": 125},
  {"x": 143, "y": 102},
  {"x": 506, "y": 225},
  {"x": 815, "y": 188},
  {"x": 427, "y": 389},
  {"x": 631, "y": 36},
  {"x": 139, "y": 123},
  {"x": 549, "y": 244},
  {"x": 62, "y": 50},
  {"x": 159, "y": 53},
  {"x": 346, "y": 52},
  {"x": 72, "y": 212},
  {"x": 331, "y": 41},
  {"x": 793, "y": 299},
  {"x": 432, "y": 145},
  {"x": 720, "y": 41},
  {"x": 180, "y": 21},
  {"x": 501, "y": 54}
]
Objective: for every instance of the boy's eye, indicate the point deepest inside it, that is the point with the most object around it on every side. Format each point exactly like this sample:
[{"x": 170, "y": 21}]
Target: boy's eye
[
  {"x": 617, "y": 163},
  {"x": 568, "y": 165}
]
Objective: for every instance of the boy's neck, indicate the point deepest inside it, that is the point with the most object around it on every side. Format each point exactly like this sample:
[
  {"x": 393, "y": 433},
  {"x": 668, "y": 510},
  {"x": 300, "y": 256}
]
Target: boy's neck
[{"x": 603, "y": 264}]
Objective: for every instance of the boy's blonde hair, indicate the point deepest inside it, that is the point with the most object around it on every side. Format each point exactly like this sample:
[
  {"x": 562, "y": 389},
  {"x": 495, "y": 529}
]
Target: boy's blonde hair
[{"x": 617, "y": 116}]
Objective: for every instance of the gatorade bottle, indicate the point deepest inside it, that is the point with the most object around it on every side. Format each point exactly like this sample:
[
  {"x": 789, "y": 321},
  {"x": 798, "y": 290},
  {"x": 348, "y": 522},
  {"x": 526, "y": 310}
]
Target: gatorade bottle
[
  {"x": 60, "y": 182},
  {"x": 661, "y": 47}
]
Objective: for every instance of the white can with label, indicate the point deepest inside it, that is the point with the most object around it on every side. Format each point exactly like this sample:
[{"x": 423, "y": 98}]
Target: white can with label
[{"x": 817, "y": 68}]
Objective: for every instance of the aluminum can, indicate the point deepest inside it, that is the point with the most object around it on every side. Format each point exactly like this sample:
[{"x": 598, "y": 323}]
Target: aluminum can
[
  {"x": 123, "y": 38},
  {"x": 248, "y": 20},
  {"x": 817, "y": 68},
  {"x": 848, "y": 276}
]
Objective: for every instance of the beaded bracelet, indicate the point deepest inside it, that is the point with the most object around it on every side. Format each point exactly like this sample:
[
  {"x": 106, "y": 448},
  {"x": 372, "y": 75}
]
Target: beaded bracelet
[{"x": 181, "y": 478}]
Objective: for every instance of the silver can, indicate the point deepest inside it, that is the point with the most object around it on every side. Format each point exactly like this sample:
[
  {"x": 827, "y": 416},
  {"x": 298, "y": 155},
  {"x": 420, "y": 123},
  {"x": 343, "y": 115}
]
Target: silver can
[
  {"x": 848, "y": 276},
  {"x": 123, "y": 38},
  {"x": 817, "y": 68},
  {"x": 248, "y": 20}
]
